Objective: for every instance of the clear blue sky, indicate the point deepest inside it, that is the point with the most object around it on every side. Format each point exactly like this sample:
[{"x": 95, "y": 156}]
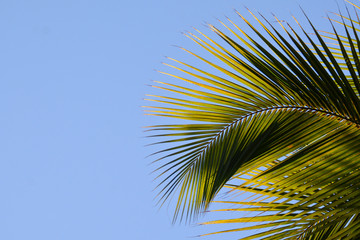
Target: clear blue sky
[{"x": 73, "y": 74}]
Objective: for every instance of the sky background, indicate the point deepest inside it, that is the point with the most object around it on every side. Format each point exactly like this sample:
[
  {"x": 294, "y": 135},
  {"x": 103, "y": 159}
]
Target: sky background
[{"x": 73, "y": 75}]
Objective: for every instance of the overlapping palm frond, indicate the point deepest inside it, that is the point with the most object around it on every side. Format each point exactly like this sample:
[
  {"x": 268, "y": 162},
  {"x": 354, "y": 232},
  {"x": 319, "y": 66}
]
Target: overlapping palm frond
[{"x": 278, "y": 118}]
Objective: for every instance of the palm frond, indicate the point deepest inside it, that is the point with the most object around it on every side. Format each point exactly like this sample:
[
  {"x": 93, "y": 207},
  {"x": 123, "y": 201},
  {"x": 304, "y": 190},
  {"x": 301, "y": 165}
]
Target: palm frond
[{"x": 280, "y": 106}]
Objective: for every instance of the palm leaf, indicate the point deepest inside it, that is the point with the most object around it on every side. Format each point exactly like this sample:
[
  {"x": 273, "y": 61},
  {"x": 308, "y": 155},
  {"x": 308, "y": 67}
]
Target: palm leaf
[{"x": 276, "y": 115}]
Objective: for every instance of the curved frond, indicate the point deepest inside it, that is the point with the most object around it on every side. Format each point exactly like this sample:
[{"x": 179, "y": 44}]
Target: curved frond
[{"x": 275, "y": 114}]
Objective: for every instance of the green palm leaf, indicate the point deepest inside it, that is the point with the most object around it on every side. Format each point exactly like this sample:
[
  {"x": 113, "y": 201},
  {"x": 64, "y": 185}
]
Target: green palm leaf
[{"x": 277, "y": 117}]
